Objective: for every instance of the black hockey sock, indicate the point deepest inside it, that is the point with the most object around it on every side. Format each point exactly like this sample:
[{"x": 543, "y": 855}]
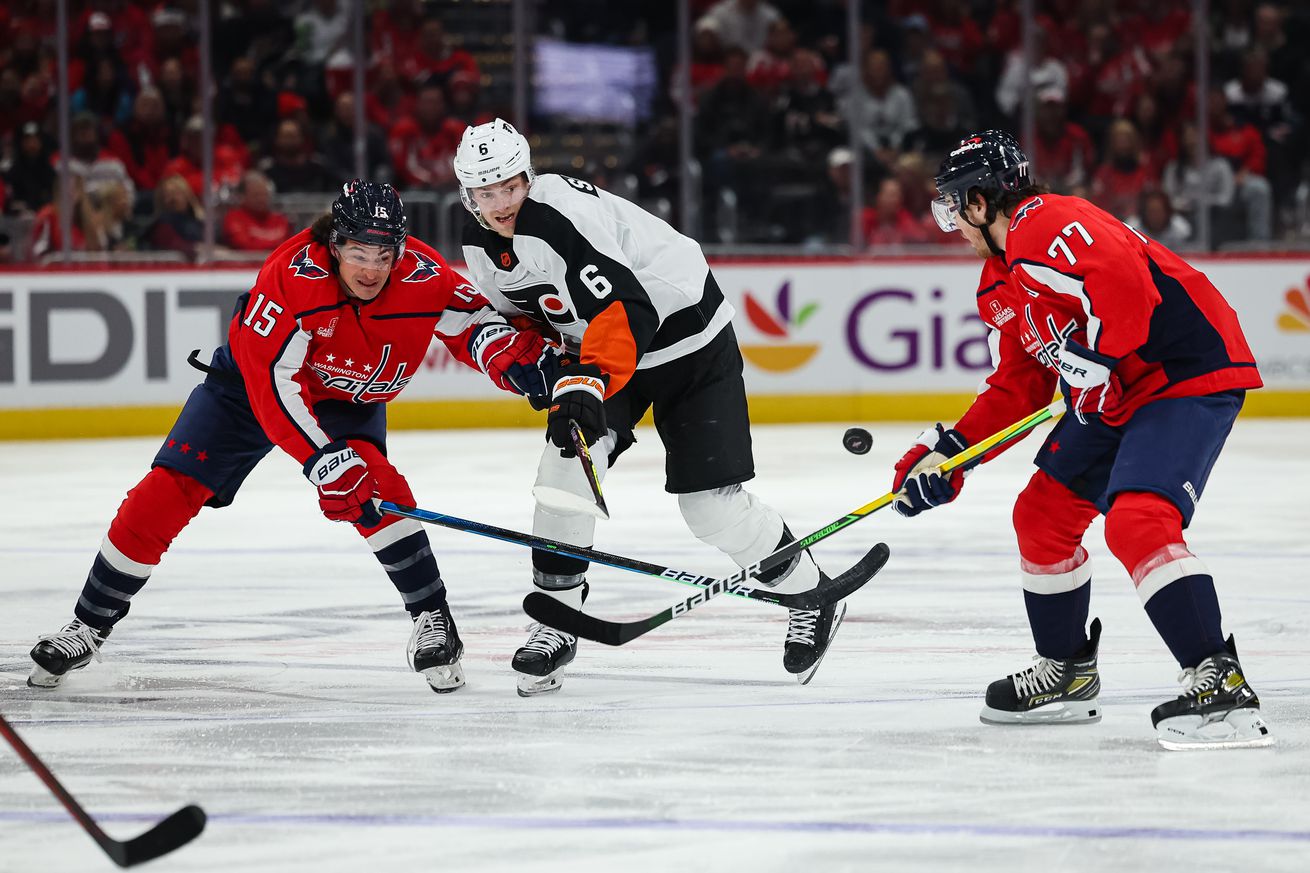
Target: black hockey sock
[
  {"x": 106, "y": 594},
  {"x": 413, "y": 570},
  {"x": 1059, "y": 621},
  {"x": 555, "y": 564},
  {"x": 1186, "y": 615}
]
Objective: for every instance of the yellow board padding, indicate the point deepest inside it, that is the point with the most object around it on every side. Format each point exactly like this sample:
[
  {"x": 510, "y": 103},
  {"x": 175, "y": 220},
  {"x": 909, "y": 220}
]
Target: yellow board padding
[{"x": 33, "y": 424}]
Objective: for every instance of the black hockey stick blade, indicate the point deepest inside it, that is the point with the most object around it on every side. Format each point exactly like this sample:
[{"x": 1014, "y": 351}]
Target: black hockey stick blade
[
  {"x": 173, "y": 832},
  {"x": 553, "y": 613}
]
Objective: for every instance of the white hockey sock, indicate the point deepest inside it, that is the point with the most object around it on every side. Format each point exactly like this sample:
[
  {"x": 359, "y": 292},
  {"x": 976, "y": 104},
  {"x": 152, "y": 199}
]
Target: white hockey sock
[{"x": 738, "y": 524}]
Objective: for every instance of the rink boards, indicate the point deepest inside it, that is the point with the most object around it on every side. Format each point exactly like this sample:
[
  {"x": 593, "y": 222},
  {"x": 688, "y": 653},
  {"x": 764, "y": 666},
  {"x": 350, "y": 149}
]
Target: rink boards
[{"x": 100, "y": 353}]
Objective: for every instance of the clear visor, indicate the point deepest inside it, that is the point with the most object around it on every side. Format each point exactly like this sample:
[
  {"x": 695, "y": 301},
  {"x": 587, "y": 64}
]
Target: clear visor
[
  {"x": 491, "y": 199},
  {"x": 368, "y": 257},
  {"x": 945, "y": 212}
]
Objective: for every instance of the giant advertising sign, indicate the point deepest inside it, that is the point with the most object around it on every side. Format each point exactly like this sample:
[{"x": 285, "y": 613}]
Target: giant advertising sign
[{"x": 114, "y": 339}]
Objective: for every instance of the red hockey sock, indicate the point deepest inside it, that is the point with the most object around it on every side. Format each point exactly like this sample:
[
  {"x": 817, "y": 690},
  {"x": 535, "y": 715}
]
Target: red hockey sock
[{"x": 154, "y": 512}]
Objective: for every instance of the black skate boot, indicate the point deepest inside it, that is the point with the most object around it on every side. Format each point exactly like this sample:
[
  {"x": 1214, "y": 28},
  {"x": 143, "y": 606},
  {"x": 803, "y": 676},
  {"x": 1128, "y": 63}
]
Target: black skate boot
[
  {"x": 435, "y": 649},
  {"x": 1050, "y": 691},
  {"x": 548, "y": 651},
  {"x": 1217, "y": 709},
  {"x": 808, "y": 634},
  {"x": 59, "y": 653}
]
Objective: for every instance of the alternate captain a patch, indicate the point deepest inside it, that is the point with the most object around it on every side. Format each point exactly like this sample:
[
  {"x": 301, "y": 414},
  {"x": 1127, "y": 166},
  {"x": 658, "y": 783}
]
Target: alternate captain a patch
[
  {"x": 304, "y": 266},
  {"x": 424, "y": 269}
]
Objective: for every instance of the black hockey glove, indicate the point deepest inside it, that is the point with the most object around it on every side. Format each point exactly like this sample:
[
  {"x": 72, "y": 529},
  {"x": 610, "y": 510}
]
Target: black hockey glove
[{"x": 579, "y": 395}]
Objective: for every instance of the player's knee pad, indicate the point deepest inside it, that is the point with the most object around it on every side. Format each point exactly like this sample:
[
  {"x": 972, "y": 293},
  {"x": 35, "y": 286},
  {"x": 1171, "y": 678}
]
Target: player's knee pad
[
  {"x": 154, "y": 513},
  {"x": 562, "y": 485},
  {"x": 1140, "y": 524},
  {"x": 732, "y": 520},
  {"x": 1049, "y": 521}
]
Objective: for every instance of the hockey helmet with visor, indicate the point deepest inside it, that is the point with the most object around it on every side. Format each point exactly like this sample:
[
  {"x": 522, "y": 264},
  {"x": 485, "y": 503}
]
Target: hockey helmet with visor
[
  {"x": 372, "y": 214},
  {"x": 989, "y": 162},
  {"x": 490, "y": 153}
]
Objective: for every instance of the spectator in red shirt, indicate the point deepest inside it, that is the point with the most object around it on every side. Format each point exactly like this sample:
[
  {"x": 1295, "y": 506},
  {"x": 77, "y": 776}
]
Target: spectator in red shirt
[
  {"x": 769, "y": 68},
  {"x": 433, "y": 59},
  {"x": 252, "y": 225},
  {"x": 387, "y": 99},
  {"x": 889, "y": 223},
  {"x": 395, "y": 31},
  {"x": 1241, "y": 144},
  {"x": 47, "y": 238},
  {"x": 955, "y": 35},
  {"x": 145, "y": 143},
  {"x": 229, "y": 162},
  {"x": 1064, "y": 153},
  {"x": 422, "y": 146},
  {"x": 1122, "y": 177}
]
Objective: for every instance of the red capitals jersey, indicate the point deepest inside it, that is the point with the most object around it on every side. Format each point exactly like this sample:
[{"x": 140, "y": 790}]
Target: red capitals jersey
[
  {"x": 1071, "y": 269},
  {"x": 298, "y": 339}
]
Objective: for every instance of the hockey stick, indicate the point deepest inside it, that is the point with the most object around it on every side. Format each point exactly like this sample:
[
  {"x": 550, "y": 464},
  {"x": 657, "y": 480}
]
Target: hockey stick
[
  {"x": 560, "y": 616},
  {"x": 812, "y": 599},
  {"x": 588, "y": 468},
  {"x": 173, "y": 832},
  {"x": 553, "y": 613}
]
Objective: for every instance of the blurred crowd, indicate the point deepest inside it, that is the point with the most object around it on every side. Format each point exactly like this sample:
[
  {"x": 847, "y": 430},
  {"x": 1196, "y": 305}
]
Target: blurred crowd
[{"x": 775, "y": 104}]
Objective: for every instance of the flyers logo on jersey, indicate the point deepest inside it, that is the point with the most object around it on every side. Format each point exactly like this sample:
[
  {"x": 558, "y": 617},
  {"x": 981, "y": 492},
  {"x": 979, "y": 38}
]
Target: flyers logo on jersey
[
  {"x": 1024, "y": 211},
  {"x": 305, "y": 267},
  {"x": 425, "y": 269}
]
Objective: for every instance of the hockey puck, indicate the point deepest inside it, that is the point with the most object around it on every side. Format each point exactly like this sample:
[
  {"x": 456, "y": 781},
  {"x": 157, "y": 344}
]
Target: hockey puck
[{"x": 857, "y": 440}]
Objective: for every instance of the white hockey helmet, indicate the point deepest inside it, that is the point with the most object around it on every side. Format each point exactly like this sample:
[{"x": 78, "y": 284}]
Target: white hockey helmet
[{"x": 490, "y": 153}]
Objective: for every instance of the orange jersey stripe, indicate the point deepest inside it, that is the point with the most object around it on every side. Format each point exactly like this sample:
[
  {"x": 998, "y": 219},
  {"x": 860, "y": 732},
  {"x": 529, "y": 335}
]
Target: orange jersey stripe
[{"x": 608, "y": 344}]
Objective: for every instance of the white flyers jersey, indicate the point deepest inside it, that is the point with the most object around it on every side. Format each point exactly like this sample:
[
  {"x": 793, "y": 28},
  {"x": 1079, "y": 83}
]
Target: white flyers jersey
[{"x": 623, "y": 289}]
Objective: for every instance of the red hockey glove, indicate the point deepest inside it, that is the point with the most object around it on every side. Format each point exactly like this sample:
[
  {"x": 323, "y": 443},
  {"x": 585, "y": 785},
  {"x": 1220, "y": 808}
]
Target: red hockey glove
[
  {"x": 520, "y": 361},
  {"x": 345, "y": 486},
  {"x": 579, "y": 395},
  {"x": 917, "y": 477},
  {"x": 1088, "y": 381}
]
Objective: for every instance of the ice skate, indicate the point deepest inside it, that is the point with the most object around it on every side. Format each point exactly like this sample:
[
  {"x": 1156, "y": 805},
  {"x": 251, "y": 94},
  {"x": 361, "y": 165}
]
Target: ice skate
[
  {"x": 1217, "y": 709},
  {"x": 55, "y": 655},
  {"x": 809, "y": 633},
  {"x": 1049, "y": 692},
  {"x": 542, "y": 658},
  {"x": 435, "y": 649}
]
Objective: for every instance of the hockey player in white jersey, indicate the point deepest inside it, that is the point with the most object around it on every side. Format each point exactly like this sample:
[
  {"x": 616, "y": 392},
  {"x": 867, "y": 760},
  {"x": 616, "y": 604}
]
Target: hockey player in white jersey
[{"x": 643, "y": 324}]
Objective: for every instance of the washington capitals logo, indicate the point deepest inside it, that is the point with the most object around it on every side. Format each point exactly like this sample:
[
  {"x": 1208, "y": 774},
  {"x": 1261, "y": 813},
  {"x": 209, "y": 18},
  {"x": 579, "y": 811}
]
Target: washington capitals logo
[
  {"x": 1024, "y": 210},
  {"x": 305, "y": 266},
  {"x": 424, "y": 269}
]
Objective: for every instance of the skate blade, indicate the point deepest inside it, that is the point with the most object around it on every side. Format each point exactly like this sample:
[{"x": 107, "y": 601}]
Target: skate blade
[
  {"x": 1240, "y": 729},
  {"x": 43, "y": 678},
  {"x": 532, "y": 686},
  {"x": 444, "y": 679},
  {"x": 805, "y": 677},
  {"x": 1069, "y": 712}
]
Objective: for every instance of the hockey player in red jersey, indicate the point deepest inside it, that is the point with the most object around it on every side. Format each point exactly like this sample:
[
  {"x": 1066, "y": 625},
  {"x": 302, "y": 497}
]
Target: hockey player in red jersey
[
  {"x": 1154, "y": 369},
  {"x": 338, "y": 322}
]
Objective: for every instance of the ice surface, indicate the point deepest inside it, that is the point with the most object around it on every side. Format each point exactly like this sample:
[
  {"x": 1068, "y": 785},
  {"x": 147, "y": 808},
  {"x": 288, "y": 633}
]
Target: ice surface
[{"x": 261, "y": 675}]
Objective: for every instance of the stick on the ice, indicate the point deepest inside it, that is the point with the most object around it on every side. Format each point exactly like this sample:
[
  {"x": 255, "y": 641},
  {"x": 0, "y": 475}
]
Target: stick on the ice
[
  {"x": 173, "y": 832},
  {"x": 588, "y": 468},
  {"x": 799, "y": 600},
  {"x": 552, "y": 612}
]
